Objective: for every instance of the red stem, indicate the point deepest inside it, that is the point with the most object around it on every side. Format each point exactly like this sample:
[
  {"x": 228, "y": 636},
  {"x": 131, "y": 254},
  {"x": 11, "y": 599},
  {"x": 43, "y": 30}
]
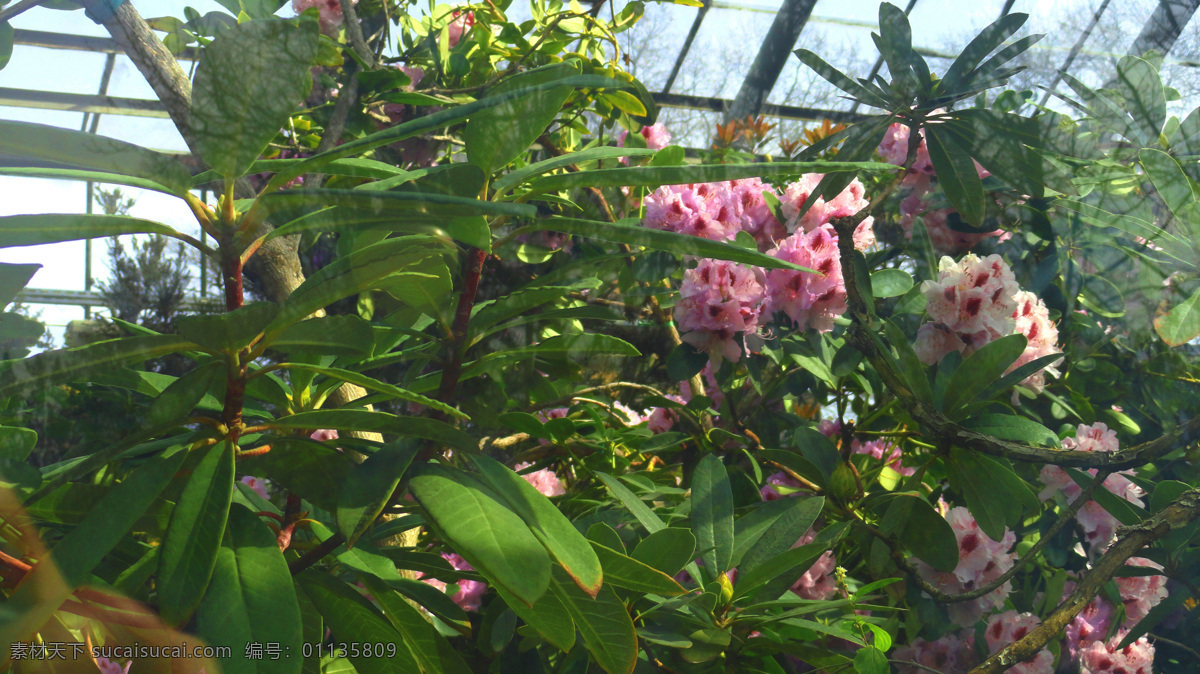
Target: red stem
[{"x": 458, "y": 331}]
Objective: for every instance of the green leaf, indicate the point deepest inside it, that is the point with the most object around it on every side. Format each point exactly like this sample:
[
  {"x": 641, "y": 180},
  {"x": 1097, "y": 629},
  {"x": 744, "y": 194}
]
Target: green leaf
[
  {"x": 1140, "y": 90},
  {"x": 1112, "y": 116},
  {"x": 79, "y": 150},
  {"x": 466, "y": 230},
  {"x": 32, "y": 230},
  {"x": 16, "y": 443},
  {"x": 794, "y": 561},
  {"x": 304, "y": 467},
  {"x": 1127, "y": 513},
  {"x": 890, "y": 283},
  {"x": 818, "y": 449},
  {"x": 189, "y": 550},
  {"x": 431, "y": 650},
  {"x": 498, "y": 135},
  {"x": 841, "y": 80},
  {"x": 1001, "y": 143},
  {"x": 680, "y": 244},
  {"x": 922, "y": 530},
  {"x": 604, "y": 623},
  {"x": 956, "y": 173},
  {"x": 773, "y": 528},
  {"x": 995, "y": 495},
  {"x": 712, "y": 513},
  {"x": 518, "y": 176},
  {"x": 980, "y": 370},
  {"x": 685, "y": 362},
  {"x": 380, "y": 422},
  {"x": 330, "y": 335},
  {"x": 895, "y": 45},
  {"x": 624, "y": 571},
  {"x": 382, "y": 210},
  {"x": 668, "y": 549},
  {"x": 355, "y": 167},
  {"x": 547, "y": 616},
  {"x": 654, "y": 176},
  {"x": 250, "y": 79},
  {"x": 644, "y": 515},
  {"x": 251, "y": 599},
  {"x": 1013, "y": 427},
  {"x": 562, "y": 540},
  {"x": 353, "y": 621},
  {"x": 83, "y": 175},
  {"x": 14, "y": 278},
  {"x": 82, "y": 549},
  {"x": 871, "y": 660},
  {"x": 910, "y": 367},
  {"x": 1177, "y": 191},
  {"x": 33, "y": 374},
  {"x": 361, "y": 270},
  {"x": 369, "y": 487},
  {"x": 229, "y": 332},
  {"x": 377, "y": 386},
  {"x": 178, "y": 400},
  {"x": 6, "y": 42},
  {"x": 489, "y": 536},
  {"x": 961, "y": 71},
  {"x": 428, "y": 123}
]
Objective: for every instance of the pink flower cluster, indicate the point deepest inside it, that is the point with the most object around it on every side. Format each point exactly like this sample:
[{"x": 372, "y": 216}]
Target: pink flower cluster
[
  {"x": 1104, "y": 657},
  {"x": 1099, "y": 527},
  {"x": 977, "y": 300},
  {"x": 946, "y": 654},
  {"x": 1005, "y": 628},
  {"x": 980, "y": 561},
  {"x": 459, "y": 26},
  {"x": 544, "y": 480},
  {"x": 720, "y": 300},
  {"x": 470, "y": 592}
]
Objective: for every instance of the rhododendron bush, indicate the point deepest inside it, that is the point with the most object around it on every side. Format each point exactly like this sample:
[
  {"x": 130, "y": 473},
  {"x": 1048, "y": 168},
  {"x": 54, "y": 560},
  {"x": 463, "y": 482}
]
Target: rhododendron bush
[{"x": 542, "y": 394}]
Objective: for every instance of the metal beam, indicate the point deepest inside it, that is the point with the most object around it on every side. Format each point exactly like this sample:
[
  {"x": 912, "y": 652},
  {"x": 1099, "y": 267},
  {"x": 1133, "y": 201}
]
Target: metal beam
[
  {"x": 55, "y": 100},
  {"x": 774, "y": 52},
  {"x": 713, "y": 104},
  {"x": 105, "y": 45},
  {"x": 1164, "y": 26},
  {"x": 79, "y": 298},
  {"x": 687, "y": 46}
]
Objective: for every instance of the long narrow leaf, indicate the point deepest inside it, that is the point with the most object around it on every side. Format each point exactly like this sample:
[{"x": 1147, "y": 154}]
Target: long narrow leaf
[{"x": 33, "y": 230}]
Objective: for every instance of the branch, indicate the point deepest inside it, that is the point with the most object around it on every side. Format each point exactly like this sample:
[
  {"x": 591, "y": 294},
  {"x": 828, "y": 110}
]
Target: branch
[
  {"x": 316, "y": 553},
  {"x": 354, "y": 32},
  {"x": 1130, "y": 540}
]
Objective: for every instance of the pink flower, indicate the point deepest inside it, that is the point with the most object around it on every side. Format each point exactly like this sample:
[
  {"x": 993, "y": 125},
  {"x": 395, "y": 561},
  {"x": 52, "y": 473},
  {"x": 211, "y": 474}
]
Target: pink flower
[
  {"x": 415, "y": 75},
  {"x": 545, "y": 480},
  {"x": 107, "y": 666},
  {"x": 1099, "y": 526},
  {"x": 810, "y": 300},
  {"x": 662, "y": 419},
  {"x": 946, "y": 654},
  {"x": 973, "y": 295},
  {"x": 459, "y": 26},
  {"x": 1033, "y": 320},
  {"x": 1141, "y": 593},
  {"x": 980, "y": 562},
  {"x": 628, "y": 415},
  {"x": 848, "y": 202},
  {"x": 754, "y": 216},
  {"x": 701, "y": 210},
  {"x": 330, "y": 12},
  {"x": 818, "y": 582},
  {"x": 1089, "y": 625},
  {"x": 1008, "y": 627},
  {"x": 258, "y": 484},
  {"x": 718, "y": 300},
  {"x": 1099, "y": 657},
  {"x": 884, "y": 451},
  {"x": 894, "y": 148},
  {"x": 324, "y": 434},
  {"x": 656, "y": 135},
  {"x": 770, "y": 491},
  {"x": 470, "y": 592}
]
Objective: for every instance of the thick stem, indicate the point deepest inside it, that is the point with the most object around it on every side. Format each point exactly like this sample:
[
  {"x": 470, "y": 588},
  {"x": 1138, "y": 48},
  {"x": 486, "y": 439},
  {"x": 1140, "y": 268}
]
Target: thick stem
[{"x": 473, "y": 269}]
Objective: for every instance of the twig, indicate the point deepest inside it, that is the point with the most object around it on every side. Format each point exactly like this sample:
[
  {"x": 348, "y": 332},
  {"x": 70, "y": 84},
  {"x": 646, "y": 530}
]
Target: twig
[
  {"x": 316, "y": 553},
  {"x": 354, "y": 32},
  {"x": 16, "y": 9}
]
